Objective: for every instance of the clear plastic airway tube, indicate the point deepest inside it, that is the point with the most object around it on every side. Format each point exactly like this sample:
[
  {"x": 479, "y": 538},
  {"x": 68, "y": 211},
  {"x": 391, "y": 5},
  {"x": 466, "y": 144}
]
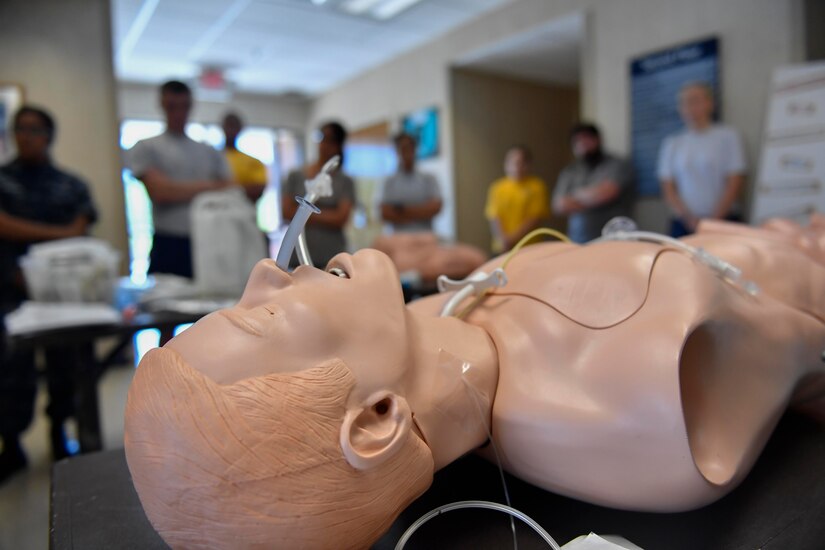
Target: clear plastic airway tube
[
  {"x": 294, "y": 231},
  {"x": 320, "y": 186},
  {"x": 719, "y": 265},
  {"x": 476, "y": 504}
]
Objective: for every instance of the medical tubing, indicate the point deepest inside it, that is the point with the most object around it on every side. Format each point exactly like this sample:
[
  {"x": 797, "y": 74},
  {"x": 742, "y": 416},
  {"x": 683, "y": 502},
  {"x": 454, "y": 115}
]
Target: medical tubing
[
  {"x": 507, "y": 259},
  {"x": 293, "y": 232},
  {"x": 474, "y": 394},
  {"x": 464, "y": 504},
  {"x": 302, "y": 250},
  {"x": 722, "y": 267},
  {"x": 456, "y": 299},
  {"x": 528, "y": 237}
]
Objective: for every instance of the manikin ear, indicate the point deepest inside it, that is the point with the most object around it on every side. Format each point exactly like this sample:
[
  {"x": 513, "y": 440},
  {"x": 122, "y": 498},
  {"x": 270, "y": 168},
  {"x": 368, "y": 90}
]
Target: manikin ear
[{"x": 375, "y": 430}]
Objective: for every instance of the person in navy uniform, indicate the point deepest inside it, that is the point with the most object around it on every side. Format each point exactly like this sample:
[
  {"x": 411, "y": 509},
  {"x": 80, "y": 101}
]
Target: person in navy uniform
[{"x": 38, "y": 202}]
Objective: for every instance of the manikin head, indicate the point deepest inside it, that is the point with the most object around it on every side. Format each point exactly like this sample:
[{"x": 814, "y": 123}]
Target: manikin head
[
  {"x": 696, "y": 105},
  {"x": 307, "y": 415},
  {"x": 405, "y": 145},
  {"x": 34, "y": 131},
  {"x": 517, "y": 162},
  {"x": 176, "y": 102}
]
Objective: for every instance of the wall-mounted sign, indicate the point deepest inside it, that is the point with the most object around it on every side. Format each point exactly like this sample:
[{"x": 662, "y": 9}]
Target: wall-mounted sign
[
  {"x": 655, "y": 80},
  {"x": 791, "y": 179}
]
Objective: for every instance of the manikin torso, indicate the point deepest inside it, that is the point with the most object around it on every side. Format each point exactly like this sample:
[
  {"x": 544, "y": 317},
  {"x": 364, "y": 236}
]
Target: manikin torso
[{"x": 632, "y": 376}]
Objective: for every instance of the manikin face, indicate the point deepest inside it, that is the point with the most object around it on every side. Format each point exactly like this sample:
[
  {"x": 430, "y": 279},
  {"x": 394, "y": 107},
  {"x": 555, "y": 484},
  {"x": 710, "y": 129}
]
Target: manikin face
[
  {"x": 292, "y": 322},
  {"x": 695, "y": 106},
  {"x": 516, "y": 164}
]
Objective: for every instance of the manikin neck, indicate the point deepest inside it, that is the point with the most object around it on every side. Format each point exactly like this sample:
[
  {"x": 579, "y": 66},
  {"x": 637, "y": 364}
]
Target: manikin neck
[{"x": 452, "y": 384}]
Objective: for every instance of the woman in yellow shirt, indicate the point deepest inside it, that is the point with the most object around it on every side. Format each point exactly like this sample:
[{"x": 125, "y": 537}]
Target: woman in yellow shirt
[{"x": 516, "y": 203}]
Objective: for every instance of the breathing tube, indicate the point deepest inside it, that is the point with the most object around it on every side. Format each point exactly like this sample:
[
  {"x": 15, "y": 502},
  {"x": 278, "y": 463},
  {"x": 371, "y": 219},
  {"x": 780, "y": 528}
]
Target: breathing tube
[
  {"x": 480, "y": 284},
  {"x": 624, "y": 229},
  {"x": 294, "y": 240}
]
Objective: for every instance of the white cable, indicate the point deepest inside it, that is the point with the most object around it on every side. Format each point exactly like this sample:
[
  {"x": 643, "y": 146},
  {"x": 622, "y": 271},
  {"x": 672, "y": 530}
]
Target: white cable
[
  {"x": 721, "y": 267},
  {"x": 464, "y": 504},
  {"x": 495, "y": 453},
  {"x": 473, "y": 285}
]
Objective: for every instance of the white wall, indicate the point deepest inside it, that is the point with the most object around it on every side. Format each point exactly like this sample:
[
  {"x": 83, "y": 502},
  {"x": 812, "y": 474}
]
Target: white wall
[
  {"x": 141, "y": 101},
  {"x": 60, "y": 52},
  {"x": 756, "y": 36}
]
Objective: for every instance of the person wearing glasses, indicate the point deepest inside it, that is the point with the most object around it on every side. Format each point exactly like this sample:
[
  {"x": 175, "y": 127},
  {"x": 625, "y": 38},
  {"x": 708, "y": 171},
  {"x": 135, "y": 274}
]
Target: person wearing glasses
[{"x": 38, "y": 202}]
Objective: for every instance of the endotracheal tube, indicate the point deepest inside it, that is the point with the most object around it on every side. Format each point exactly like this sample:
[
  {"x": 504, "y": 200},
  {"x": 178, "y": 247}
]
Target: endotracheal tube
[{"x": 319, "y": 186}]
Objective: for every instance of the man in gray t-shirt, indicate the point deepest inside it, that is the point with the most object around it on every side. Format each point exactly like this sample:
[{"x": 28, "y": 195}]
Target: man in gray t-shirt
[
  {"x": 594, "y": 189},
  {"x": 409, "y": 200},
  {"x": 174, "y": 168}
]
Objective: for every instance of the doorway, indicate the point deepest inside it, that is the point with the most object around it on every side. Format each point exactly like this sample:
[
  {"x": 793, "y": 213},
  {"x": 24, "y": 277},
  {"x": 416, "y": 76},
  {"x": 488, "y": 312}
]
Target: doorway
[{"x": 522, "y": 90}]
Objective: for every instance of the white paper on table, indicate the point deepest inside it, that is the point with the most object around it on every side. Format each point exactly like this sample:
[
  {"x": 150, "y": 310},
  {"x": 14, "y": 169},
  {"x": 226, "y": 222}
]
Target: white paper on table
[{"x": 36, "y": 316}]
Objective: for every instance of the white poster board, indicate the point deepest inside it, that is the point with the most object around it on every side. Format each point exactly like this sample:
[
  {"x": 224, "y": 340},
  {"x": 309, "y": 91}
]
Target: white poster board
[{"x": 791, "y": 179}]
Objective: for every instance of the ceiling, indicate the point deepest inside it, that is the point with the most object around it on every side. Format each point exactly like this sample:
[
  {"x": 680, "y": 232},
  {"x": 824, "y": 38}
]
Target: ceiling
[
  {"x": 548, "y": 53},
  {"x": 272, "y": 46}
]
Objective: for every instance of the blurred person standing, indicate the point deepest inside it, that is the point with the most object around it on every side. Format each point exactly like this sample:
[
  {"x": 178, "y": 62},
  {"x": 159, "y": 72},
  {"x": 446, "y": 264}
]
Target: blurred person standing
[
  {"x": 38, "y": 202},
  {"x": 702, "y": 168},
  {"x": 596, "y": 187},
  {"x": 409, "y": 199},
  {"x": 247, "y": 170},
  {"x": 324, "y": 231},
  {"x": 175, "y": 168},
  {"x": 516, "y": 203}
]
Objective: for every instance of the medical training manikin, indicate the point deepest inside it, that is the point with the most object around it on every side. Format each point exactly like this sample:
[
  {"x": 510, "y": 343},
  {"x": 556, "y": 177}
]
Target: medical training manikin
[{"x": 633, "y": 374}]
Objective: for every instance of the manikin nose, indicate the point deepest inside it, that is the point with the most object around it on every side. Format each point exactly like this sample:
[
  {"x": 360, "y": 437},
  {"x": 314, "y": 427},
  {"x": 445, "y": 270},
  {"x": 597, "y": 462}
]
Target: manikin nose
[{"x": 265, "y": 278}]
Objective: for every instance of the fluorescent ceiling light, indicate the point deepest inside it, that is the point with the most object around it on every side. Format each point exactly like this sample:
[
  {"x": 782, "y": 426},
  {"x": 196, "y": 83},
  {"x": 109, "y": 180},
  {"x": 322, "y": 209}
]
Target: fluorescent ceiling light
[
  {"x": 391, "y": 8},
  {"x": 379, "y": 9}
]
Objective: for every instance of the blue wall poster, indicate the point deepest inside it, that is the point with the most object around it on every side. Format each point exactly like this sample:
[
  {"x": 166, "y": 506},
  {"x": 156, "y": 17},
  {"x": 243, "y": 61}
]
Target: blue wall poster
[
  {"x": 423, "y": 125},
  {"x": 655, "y": 80}
]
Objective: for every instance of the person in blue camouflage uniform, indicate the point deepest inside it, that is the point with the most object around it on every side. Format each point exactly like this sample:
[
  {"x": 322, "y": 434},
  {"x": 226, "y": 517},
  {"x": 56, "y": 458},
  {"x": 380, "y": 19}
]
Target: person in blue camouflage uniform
[{"x": 38, "y": 202}]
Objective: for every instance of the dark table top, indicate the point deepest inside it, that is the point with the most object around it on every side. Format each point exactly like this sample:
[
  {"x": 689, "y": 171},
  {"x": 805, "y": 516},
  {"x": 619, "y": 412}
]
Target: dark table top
[
  {"x": 781, "y": 505},
  {"x": 91, "y": 332}
]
